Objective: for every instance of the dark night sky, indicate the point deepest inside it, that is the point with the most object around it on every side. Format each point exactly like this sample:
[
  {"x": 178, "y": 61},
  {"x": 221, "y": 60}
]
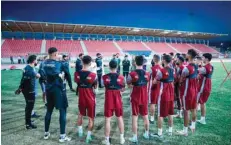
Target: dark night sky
[{"x": 189, "y": 16}]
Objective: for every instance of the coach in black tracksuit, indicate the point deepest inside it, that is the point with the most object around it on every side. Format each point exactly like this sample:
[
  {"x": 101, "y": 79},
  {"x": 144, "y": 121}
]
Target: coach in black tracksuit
[
  {"x": 78, "y": 66},
  {"x": 27, "y": 86},
  {"x": 67, "y": 75},
  {"x": 99, "y": 65},
  {"x": 126, "y": 66}
]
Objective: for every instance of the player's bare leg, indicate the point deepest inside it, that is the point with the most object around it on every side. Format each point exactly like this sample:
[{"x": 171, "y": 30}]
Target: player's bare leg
[
  {"x": 203, "y": 113},
  {"x": 193, "y": 125},
  {"x": 107, "y": 130},
  {"x": 146, "y": 127},
  {"x": 79, "y": 123},
  {"x": 184, "y": 132},
  {"x": 152, "y": 112},
  {"x": 90, "y": 128},
  {"x": 170, "y": 124},
  {"x": 198, "y": 107},
  {"x": 159, "y": 125},
  {"x": 121, "y": 128},
  {"x": 134, "y": 129}
]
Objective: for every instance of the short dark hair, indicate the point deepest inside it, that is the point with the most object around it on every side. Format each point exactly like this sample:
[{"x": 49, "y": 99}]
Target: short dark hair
[
  {"x": 171, "y": 53},
  {"x": 126, "y": 55},
  {"x": 52, "y": 50},
  {"x": 192, "y": 53},
  {"x": 64, "y": 56},
  {"x": 199, "y": 58},
  {"x": 181, "y": 58},
  {"x": 86, "y": 59},
  {"x": 167, "y": 58},
  {"x": 31, "y": 58},
  {"x": 139, "y": 60},
  {"x": 81, "y": 54},
  {"x": 157, "y": 57},
  {"x": 208, "y": 56},
  {"x": 97, "y": 54},
  {"x": 113, "y": 64},
  {"x": 177, "y": 54},
  {"x": 183, "y": 55}
]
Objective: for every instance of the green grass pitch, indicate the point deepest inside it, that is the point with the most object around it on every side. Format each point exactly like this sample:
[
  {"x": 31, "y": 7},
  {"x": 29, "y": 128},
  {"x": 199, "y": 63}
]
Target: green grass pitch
[{"x": 217, "y": 131}]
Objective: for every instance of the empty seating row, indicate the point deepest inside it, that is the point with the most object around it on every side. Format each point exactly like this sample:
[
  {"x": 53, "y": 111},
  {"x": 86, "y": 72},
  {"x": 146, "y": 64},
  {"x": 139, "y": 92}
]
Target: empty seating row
[{"x": 106, "y": 48}]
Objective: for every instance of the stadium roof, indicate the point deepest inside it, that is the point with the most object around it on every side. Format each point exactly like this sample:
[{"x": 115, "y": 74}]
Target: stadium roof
[{"x": 45, "y": 27}]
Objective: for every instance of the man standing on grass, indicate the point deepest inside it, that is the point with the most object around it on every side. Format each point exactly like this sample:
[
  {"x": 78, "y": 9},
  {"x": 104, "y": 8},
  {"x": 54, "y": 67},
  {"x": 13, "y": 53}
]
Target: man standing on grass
[
  {"x": 99, "y": 65},
  {"x": 205, "y": 85},
  {"x": 27, "y": 86},
  {"x": 42, "y": 79},
  {"x": 199, "y": 80},
  {"x": 126, "y": 66},
  {"x": 118, "y": 61},
  {"x": 114, "y": 84},
  {"x": 166, "y": 95},
  {"x": 11, "y": 60},
  {"x": 78, "y": 66},
  {"x": 138, "y": 80},
  {"x": 154, "y": 89},
  {"x": 54, "y": 73},
  {"x": 179, "y": 86},
  {"x": 67, "y": 75},
  {"x": 87, "y": 82},
  {"x": 189, "y": 74}
]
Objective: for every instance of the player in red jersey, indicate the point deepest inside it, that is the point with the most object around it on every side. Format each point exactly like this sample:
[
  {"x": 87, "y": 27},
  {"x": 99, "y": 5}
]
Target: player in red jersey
[
  {"x": 199, "y": 79},
  {"x": 154, "y": 89},
  {"x": 114, "y": 84},
  {"x": 189, "y": 73},
  {"x": 138, "y": 80},
  {"x": 206, "y": 84},
  {"x": 87, "y": 82},
  {"x": 166, "y": 96},
  {"x": 179, "y": 90}
]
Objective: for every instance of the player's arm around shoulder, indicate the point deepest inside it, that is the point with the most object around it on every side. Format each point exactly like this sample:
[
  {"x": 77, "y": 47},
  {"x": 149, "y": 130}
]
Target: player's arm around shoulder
[
  {"x": 129, "y": 79},
  {"x": 122, "y": 82},
  {"x": 94, "y": 79}
]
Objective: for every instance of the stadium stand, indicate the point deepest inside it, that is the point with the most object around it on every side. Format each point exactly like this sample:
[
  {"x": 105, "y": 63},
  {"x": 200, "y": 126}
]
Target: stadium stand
[
  {"x": 204, "y": 48},
  {"x": 20, "y": 47},
  {"x": 183, "y": 48},
  {"x": 133, "y": 48},
  {"x": 160, "y": 47},
  {"x": 106, "y": 48},
  {"x": 65, "y": 46}
]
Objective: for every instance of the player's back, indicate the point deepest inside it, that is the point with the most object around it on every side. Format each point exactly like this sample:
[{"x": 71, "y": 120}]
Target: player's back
[
  {"x": 113, "y": 83},
  {"x": 191, "y": 80},
  {"x": 52, "y": 69},
  {"x": 167, "y": 83},
  {"x": 86, "y": 81},
  {"x": 139, "y": 79}
]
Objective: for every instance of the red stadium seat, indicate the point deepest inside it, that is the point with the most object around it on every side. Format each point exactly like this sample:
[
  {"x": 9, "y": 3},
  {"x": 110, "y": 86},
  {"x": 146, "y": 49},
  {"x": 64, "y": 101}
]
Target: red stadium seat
[
  {"x": 73, "y": 47},
  {"x": 132, "y": 46},
  {"x": 160, "y": 47},
  {"x": 20, "y": 47},
  {"x": 183, "y": 48},
  {"x": 204, "y": 48},
  {"x": 106, "y": 48}
]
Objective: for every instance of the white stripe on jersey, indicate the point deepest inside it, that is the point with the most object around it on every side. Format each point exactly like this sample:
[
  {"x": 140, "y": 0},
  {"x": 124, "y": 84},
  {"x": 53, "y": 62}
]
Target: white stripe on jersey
[
  {"x": 201, "y": 89},
  {"x": 185, "y": 93},
  {"x": 159, "y": 97}
]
